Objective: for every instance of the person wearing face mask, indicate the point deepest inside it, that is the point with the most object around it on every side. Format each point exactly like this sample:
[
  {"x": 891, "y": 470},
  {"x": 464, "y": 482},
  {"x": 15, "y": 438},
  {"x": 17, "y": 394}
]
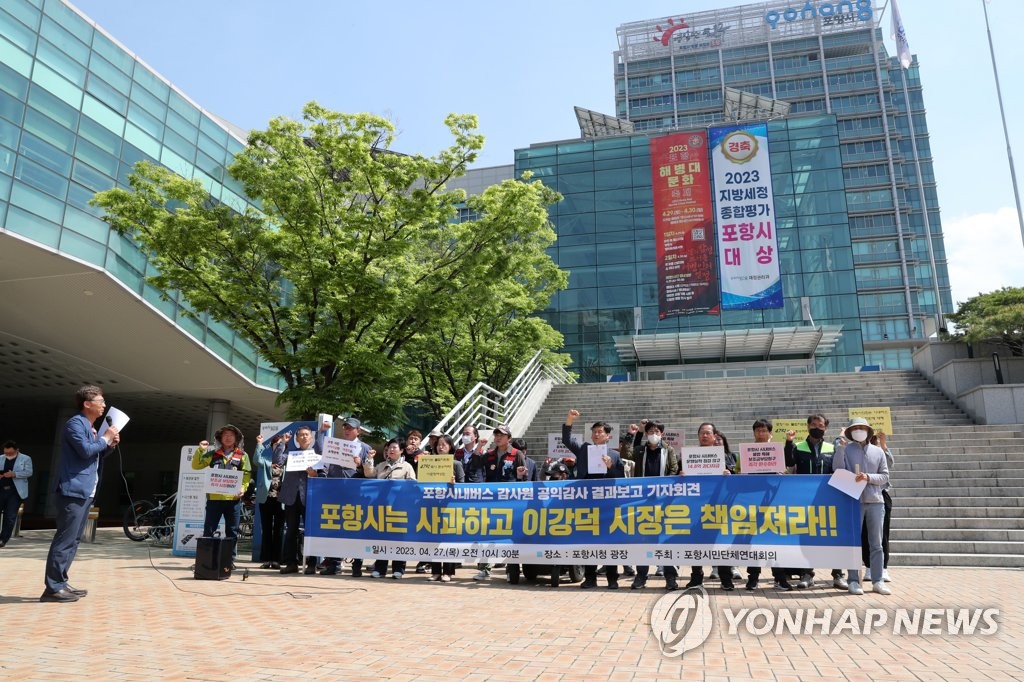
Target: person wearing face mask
[
  {"x": 813, "y": 455},
  {"x": 470, "y": 453},
  {"x": 653, "y": 457},
  {"x": 17, "y": 468},
  {"x": 868, "y": 462}
]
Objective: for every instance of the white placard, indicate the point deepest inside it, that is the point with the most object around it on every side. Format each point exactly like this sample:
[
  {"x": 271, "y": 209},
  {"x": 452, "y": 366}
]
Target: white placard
[
  {"x": 300, "y": 460},
  {"x": 845, "y": 481},
  {"x": 556, "y": 448},
  {"x": 115, "y": 418},
  {"x": 342, "y": 452},
  {"x": 223, "y": 481},
  {"x": 674, "y": 438},
  {"x": 702, "y": 460},
  {"x": 595, "y": 459},
  {"x": 762, "y": 458},
  {"x": 270, "y": 429}
]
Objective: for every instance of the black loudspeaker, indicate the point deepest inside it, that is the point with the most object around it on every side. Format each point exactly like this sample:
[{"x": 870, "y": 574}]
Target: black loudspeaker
[{"x": 213, "y": 558}]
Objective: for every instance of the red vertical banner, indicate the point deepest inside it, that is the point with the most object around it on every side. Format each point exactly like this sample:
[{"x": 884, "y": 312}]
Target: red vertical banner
[{"x": 684, "y": 225}]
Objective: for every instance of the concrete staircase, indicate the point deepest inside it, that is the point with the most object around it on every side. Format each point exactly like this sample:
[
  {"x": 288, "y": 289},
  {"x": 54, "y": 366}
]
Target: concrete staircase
[{"x": 958, "y": 487}]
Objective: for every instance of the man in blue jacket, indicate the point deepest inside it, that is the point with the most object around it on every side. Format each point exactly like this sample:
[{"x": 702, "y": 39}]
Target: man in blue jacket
[
  {"x": 78, "y": 476},
  {"x": 17, "y": 468},
  {"x": 600, "y": 434}
]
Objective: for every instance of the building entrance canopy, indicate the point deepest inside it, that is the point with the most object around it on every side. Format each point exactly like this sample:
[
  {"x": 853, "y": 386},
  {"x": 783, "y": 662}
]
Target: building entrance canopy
[{"x": 725, "y": 345}]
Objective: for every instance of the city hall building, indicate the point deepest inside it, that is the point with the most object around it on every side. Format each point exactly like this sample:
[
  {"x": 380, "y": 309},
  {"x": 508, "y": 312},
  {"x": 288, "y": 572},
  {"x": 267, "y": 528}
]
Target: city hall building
[{"x": 856, "y": 215}]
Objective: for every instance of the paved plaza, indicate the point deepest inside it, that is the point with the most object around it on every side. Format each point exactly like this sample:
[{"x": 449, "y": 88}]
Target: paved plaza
[{"x": 146, "y": 618}]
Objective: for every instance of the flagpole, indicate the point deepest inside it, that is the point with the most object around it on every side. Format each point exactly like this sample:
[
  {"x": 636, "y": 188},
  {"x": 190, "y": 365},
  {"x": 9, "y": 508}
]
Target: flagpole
[{"x": 1006, "y": 132}]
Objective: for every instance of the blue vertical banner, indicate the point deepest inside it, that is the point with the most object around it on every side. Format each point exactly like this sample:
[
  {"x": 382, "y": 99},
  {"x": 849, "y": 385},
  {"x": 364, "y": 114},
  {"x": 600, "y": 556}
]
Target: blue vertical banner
[
  {"x": 798, "y": 521},
  {"x": 748, "y": 251}
]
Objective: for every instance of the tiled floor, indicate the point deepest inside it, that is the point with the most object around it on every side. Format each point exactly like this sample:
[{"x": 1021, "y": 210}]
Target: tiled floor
[{"x": 147, "y": 618}]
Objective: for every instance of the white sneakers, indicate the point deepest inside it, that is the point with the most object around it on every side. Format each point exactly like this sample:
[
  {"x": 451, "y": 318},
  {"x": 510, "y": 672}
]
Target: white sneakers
[
  {"x": 855, "y": 587},
  {"x": 881, "y": 588},
  {"x": 885, "y": 575},
  {"x": 375, "y": 574},
  {"x": 397, "y": 575},
  {"x": 446, "y": 578},
  {"x": 482, "y": 575}
]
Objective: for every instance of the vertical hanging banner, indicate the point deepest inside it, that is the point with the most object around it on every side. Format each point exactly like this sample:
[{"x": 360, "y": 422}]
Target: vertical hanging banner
[
  {"x": 748, "y": 251},
  {"x": 683, "y": 228}
]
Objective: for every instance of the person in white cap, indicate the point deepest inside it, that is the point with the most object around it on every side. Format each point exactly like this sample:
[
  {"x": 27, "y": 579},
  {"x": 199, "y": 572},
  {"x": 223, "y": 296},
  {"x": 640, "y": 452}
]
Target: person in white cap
[{"x": 868, "y": 462}]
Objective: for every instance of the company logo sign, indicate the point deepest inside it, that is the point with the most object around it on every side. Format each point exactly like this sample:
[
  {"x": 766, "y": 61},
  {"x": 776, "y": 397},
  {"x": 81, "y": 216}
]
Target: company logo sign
[
  {"x": 682, "y": 621},
  {"x": 832, "y": 13},
  {"x": 708, "y": 36}
]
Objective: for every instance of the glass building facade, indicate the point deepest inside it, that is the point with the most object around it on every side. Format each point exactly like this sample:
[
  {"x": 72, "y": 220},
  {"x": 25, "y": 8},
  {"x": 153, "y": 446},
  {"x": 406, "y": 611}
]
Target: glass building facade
[
  {"x": 605, "y": 227},
  {"x": 77, "y": 112},
  {"x": 820, "y": 58}
]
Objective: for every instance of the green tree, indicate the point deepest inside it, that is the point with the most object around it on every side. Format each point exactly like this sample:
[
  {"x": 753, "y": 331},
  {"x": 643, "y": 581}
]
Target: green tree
[
  {"x": 354, "y": 253},
  {"x": 996, "y": 317},
  {"x": 490, "y": 334}
]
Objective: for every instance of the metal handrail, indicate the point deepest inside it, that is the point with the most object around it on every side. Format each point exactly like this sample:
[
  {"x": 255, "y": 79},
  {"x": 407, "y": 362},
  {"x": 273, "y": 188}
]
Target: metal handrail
[{"x": 486, "y": 407}]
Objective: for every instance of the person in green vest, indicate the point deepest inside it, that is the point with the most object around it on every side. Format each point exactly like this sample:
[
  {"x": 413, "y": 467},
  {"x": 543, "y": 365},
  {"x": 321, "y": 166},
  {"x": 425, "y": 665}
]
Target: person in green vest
[{"x": 813, "y": 455}]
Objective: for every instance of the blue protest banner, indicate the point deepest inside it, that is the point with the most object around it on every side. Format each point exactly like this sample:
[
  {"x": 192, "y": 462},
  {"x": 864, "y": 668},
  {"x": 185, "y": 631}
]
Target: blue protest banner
[{"x": 790, "y": 521}]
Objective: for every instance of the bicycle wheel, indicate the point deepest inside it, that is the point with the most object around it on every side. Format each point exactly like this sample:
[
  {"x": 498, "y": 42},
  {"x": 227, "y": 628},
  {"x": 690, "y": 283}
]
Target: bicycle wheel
[{"x": 138, "y": 520}]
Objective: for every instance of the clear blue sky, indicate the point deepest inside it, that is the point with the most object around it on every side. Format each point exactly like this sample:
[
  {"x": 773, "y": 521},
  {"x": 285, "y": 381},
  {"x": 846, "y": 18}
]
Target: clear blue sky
[{"x": 522, "y": 66}]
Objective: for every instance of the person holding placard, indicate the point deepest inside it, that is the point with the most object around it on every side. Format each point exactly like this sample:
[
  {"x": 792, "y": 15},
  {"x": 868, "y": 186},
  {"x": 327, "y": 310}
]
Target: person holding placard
[
  {"x": 868, "y": 462},
  {"x": 594, "y": 460},
  {"x": 444, "y": 445},
  {"x": 653, "y": 457},
  {"x": 393, "y": 468},
  {"x": 813, "y": 455},
  {"x": 361, "y": 452},
  {"x": 298, "y": 468},
  {"x": 763, "y": 434},
  {"x": 708, "y": 435},
  {"x": 231, "y": 456}
]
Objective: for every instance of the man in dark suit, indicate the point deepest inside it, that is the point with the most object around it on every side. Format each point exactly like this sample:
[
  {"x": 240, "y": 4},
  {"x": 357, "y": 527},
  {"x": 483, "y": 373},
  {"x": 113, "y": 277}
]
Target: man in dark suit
[{"x": 78, "y": 476}]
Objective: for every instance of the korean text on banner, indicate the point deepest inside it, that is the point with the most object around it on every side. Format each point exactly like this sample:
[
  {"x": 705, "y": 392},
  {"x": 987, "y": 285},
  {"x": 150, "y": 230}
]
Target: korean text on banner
[
  {"x": 748, "y": 250},
  {"x": 683, "y": 225},
  {"x": 797, "y": 521},
  {"x": 223, "y": 481},
  {"x": 342, "y": 452}
]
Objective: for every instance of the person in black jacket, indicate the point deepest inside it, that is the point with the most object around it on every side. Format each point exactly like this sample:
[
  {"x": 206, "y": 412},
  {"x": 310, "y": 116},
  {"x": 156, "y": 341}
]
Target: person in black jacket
[{"x": 600, "y": 434}]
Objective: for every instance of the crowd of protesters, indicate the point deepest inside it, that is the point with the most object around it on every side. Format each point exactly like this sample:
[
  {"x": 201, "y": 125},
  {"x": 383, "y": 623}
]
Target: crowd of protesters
[{"x": 642, "y": 451}]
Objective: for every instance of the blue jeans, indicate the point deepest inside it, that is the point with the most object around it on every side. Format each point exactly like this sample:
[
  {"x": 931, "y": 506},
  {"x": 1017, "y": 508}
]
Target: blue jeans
[{"x": 871, "y": 518}]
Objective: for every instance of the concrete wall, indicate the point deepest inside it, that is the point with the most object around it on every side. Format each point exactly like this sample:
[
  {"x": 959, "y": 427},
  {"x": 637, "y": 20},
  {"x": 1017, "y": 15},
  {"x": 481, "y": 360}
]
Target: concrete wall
[{"x": 972, "y": 384}]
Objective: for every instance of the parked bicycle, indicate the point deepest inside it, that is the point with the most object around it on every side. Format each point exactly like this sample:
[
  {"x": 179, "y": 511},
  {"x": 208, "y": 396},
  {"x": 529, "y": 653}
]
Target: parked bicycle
[{"x": 145, "y": 519}]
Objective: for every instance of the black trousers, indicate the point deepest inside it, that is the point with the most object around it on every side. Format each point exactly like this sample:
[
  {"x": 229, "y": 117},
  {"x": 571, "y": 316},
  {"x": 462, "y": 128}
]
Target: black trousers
[
  {"x": 271, "y": 530},
  {"x": 590, "y": 573},
  {"x": 9, "y": 503},
  {"x": 293, "y": 513}
]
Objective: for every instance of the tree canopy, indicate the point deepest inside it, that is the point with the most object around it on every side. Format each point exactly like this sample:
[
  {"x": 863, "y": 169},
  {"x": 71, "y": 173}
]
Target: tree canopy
[
  {"x": 355, "y": 267},
  {"x": 996, "y": 317}
]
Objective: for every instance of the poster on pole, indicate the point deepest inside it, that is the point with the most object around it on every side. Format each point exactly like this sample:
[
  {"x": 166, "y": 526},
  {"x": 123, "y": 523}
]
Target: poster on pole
[
  {"x": 683, "y": 225},
  {"x": 748, "y": 251}
]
